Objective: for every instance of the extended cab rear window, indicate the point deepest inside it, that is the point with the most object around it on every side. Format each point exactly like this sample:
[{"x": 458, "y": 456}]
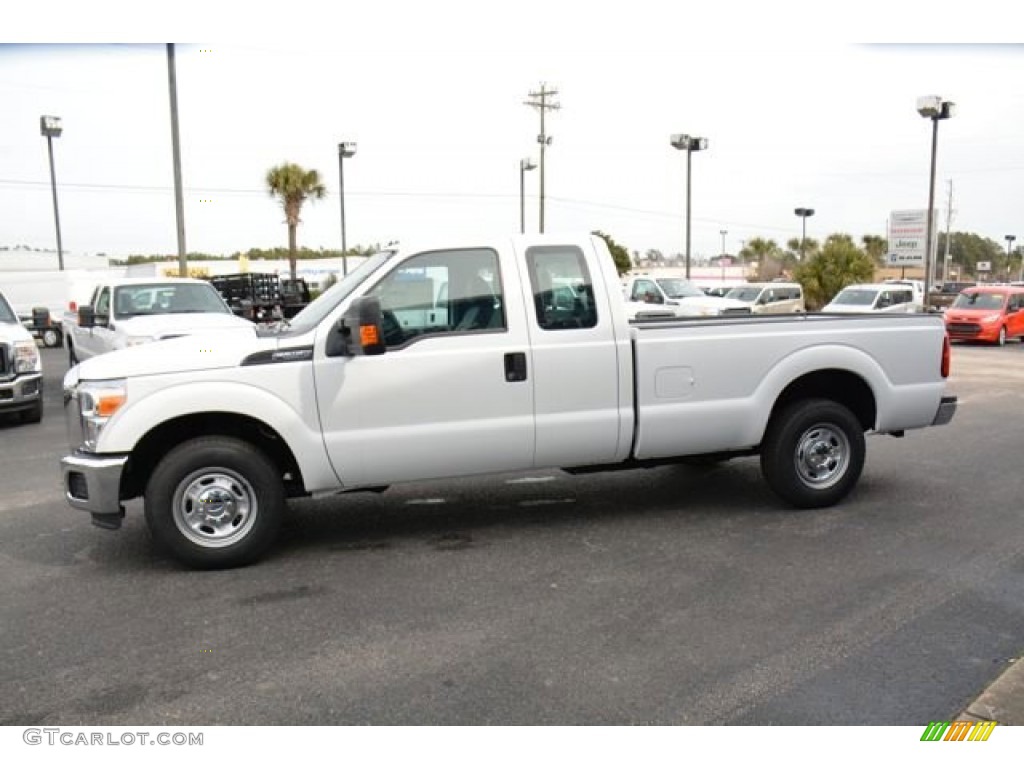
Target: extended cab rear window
[{"x": 563, "y": 294}]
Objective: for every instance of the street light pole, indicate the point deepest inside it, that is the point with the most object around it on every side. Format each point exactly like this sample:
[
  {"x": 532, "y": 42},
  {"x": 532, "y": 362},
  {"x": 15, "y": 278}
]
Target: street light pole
[
  {"x": 690, "y": 144},
  {"x": 50, "y": 127},
  {"x": 803, "y": 213},
  {"x": 526, "y": 164},
  {"x": 721, "y": 259},
  {"x": 935, "y": 109},
  {"x": 345, "y": 149},
  {"x": 179, "y": 195}
]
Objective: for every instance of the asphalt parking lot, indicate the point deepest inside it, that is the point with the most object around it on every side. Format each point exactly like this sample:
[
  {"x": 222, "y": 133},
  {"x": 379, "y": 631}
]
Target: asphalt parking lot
[{"x": 664, "y": 596}]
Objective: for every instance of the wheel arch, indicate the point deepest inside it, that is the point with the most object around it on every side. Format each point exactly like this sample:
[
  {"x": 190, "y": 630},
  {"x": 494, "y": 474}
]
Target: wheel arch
[
  {"x": 841, "y": 386},
  {"x": 156, "y": 443}
]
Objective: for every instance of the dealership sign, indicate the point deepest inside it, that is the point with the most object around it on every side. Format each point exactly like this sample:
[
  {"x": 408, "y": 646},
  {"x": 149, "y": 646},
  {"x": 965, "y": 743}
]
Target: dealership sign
[{"x": 908, "y": 234}]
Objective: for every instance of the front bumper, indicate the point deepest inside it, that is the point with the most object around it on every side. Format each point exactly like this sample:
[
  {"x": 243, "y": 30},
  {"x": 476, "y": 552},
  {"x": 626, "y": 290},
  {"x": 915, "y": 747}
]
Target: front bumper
[
  {"x": 21, "y": 392},
  {"x": 944, "y": 413},
  {"x": 92, "y": 482}
]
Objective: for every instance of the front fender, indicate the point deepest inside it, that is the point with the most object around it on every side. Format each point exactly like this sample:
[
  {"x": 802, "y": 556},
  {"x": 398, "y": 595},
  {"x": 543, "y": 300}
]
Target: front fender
[{"x": 298, "y": 426}]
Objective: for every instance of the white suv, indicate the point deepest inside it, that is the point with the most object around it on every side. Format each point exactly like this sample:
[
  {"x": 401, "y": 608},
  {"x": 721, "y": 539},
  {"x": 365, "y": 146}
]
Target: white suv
[{"x": 21, "y": 373}]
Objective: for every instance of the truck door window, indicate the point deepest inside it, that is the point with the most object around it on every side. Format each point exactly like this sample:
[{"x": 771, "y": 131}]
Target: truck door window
[
  {"x": 102, "y": 308},
  {"x": 442, "y": 292},
  {"x": 646, "y": 291},
  {"x": 563, "y": 294}
]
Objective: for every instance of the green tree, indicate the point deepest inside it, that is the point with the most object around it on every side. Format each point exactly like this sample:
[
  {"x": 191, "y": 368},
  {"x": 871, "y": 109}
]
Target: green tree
[
  {"x": 793, "y": 249},
  {"x": 619, "y": 253},
  {"x": 875, "y": 247},
  {"x": 839, "y": 263},
  {"x": 966, "y": 249},
  {"x": 293, "y": 185},
  {"x": 769, "y": 257}
]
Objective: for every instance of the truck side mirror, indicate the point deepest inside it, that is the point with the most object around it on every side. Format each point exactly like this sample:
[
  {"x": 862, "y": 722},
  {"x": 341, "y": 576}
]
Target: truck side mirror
[
  {"x": 86, "y": 317},
  {"x": 360, "y": 331}
]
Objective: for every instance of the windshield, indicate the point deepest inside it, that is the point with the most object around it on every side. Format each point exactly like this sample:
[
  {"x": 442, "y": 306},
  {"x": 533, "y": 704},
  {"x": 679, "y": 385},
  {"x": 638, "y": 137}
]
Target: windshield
[
  {"x": 744, "y": 293},
  {"x": 857, "y": 297},
  {"x": 979, "y": 301},
  {"x": 140, "y": 299},
  {"x": 675, "y": 288},
  {"x": 6, "y": 313},
  {"x": 317, "y": 310}
]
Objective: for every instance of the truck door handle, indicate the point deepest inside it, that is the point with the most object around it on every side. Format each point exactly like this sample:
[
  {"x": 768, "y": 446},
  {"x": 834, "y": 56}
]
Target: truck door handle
[{"x": 515, "y": 366}]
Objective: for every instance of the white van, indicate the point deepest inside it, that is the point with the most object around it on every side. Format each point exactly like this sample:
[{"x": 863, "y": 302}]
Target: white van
[
  {"x": 874, "y": 297},
  {"x": 770, "y": 298}
]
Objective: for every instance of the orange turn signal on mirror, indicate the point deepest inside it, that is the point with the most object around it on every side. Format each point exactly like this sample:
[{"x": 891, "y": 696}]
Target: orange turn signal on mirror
[{"x": 368, "y": 335}]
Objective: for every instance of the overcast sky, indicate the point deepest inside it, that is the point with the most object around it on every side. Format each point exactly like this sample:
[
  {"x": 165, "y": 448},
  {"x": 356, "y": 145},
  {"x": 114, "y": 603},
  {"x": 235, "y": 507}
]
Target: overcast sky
[{"x": 802, "y": 106}]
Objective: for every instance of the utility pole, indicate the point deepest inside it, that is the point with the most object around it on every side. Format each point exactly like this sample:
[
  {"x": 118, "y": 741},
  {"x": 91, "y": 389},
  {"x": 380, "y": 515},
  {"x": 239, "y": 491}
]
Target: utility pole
[
  {"x": 949, "y": 220},
  {"x": 540, "y": 100}
]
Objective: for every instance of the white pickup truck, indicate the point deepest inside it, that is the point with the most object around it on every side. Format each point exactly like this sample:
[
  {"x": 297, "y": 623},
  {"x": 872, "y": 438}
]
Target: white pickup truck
[
  {"x": 128, "y": 311},
  {"x": 21, "y": 372},
  {"x": 386, "y": 378},
  {"x": 648, "y": 296}
]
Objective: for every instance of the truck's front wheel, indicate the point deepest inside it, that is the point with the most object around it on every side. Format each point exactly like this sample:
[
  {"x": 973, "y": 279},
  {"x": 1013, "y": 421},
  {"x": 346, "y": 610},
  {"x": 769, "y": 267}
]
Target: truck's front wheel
[
  {"x": 813, "y": 453},
  {"x": 215, "y": 502}
]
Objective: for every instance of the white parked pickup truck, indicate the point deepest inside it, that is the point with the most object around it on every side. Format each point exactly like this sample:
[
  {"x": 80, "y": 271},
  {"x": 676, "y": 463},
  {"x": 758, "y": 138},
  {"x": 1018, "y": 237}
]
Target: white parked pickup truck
[
  {"x": 386, "y": 379},
  {"x": 21, "y": 372},
  {"x": 648, "y": 297},
  {"x": 128, "y": 311}
]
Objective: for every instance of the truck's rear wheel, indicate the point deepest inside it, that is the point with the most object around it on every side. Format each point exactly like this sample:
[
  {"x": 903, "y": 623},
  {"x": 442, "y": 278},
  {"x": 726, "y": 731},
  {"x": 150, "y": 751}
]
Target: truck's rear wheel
[
  {"x": 215, "y": 502},
  {"x": 813, "y": 453}
]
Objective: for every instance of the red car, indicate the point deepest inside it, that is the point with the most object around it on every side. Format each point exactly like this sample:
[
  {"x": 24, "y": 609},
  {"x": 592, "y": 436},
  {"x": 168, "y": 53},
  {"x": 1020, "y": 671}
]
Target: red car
[{"x": 991, "y": 313}]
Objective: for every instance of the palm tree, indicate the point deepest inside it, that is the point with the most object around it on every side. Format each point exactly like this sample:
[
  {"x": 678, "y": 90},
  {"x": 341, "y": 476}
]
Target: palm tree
[{"x": 293, "y": 184}]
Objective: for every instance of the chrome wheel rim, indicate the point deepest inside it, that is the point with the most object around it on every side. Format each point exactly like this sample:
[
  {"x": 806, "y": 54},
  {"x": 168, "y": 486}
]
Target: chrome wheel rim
[
  {"x": 822, "y": 456},
  {"x": 215, "y": 507}
]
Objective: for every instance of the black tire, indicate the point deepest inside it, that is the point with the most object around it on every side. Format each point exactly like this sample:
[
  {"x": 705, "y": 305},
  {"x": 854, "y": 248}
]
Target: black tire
[
  {"x": 1001, "y": 340},
  {"x": 813, "y": 453},
  {"x": 51, "y": 338},
  {"x": 33, "y": 415},
  {"x": 239, "y": 519}
]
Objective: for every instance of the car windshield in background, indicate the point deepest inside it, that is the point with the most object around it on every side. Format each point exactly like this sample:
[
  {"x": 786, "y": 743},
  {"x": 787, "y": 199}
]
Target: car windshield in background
[
  {"x": 743, "y": 294},
  {"x": 6, "y": 313},
  {"x": 979, "y": 301},
  {"x": 855, "y": 297},
  {"x": 676, "y": 288},
  {"x": 164, "y": 299}
]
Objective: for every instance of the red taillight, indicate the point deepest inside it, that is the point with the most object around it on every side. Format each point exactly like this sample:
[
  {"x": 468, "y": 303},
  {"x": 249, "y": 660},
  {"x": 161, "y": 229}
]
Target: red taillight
[{"x": 944, "y": 367}]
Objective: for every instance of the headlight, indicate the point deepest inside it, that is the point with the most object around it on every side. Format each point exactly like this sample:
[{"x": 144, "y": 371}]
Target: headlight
[
  {"x": 134, "y": 341},
  {"x": 991, "y": 319},
  {"x": 26, "y": 357},
  {"x": 97, "y": 402}
]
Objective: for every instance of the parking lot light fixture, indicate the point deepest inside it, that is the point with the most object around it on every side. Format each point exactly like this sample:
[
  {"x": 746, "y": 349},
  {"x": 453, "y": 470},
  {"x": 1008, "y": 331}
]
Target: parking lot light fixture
[
  {"x": 50, "y": 127},
  {"x": 689, "y": 144},
  {"x": 934, "y": 109},
  {"x": 803, "y": 213},
  {"x": 1009, "y": 245}
]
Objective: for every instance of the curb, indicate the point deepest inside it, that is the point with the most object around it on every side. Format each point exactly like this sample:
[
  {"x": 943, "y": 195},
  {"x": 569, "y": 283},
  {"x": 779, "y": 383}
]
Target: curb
[{"x": 1003, "y": 700}]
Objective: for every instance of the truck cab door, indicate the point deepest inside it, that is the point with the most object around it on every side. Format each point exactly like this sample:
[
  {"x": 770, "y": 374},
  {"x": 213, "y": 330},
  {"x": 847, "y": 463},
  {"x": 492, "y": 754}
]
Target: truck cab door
[
  {"x": 452, "y": 394},
  {"x": 582, "y": 367}
]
